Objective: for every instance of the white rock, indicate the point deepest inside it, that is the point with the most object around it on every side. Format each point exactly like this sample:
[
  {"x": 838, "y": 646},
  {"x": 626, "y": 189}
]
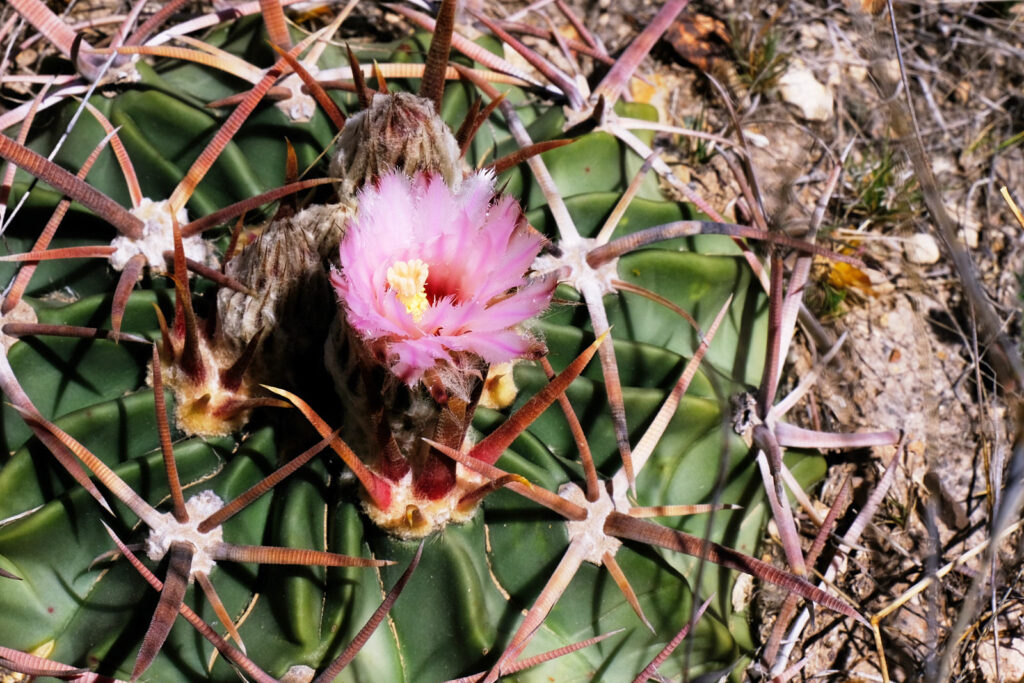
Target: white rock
[
  {"x": 300, "y": 673},
  {"x": 1011, "y": 660},
  {"x": 858, "y": 74},
  {"x": 757, "y": 140},
  {"x": 799, "y": 87},
  {"x": 886, "y": 70},
  {"x": 970, "y": 236},
  {"x": 922, "y": 249}
]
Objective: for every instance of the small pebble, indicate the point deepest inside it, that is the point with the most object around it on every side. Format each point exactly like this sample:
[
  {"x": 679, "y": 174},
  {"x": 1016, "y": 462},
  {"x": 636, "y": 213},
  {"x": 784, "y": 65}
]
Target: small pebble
[
  {"x": 298, "y": 674},
  {"x": 799, "y": 87},
  {"x": 969, "y": 236},
  {"x": 922, "y": 249}
]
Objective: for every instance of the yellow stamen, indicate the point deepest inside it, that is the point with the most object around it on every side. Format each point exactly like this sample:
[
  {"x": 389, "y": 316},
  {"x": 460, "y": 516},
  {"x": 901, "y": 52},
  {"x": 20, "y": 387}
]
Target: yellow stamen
[{"x": 409, "y": 280}]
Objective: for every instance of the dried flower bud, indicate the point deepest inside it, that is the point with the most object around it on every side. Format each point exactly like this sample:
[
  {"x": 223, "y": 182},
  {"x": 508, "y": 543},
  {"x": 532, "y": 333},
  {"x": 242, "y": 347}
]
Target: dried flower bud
[
  {"x": 284, "y": 268},
  {"x": 398, "y": 131}
]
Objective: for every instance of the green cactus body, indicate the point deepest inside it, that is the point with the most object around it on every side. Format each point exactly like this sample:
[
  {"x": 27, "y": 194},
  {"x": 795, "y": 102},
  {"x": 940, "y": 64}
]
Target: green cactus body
[{"x": 465, "y": 599}]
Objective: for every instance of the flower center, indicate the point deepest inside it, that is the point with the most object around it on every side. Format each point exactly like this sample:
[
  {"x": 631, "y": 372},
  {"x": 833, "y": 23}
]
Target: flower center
[{"x": 409, "y": 280}]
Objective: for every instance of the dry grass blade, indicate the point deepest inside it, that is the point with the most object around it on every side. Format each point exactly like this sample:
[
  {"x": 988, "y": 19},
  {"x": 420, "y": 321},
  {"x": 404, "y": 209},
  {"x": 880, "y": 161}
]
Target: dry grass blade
[
  {"x": 1004, "y": 353},
  {"x": 1014, "y": 209},
  {"x": 372, "y": 623}
]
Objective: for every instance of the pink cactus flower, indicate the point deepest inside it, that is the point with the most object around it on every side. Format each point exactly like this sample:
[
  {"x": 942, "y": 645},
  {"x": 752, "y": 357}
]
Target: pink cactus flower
[{"x": 435, "y": 275}]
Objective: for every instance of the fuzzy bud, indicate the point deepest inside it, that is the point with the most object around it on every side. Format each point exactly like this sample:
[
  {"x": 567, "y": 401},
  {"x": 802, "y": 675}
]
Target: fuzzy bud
[{"x": 398, "y": 131}]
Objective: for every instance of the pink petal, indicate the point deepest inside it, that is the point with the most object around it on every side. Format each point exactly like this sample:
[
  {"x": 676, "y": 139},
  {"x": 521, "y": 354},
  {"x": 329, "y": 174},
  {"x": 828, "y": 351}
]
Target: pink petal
[{"x": 477, "y": 248}]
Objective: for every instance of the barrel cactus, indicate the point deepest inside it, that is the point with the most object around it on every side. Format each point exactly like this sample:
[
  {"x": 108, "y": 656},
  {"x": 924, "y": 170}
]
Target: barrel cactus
[{"x": 290, "y": 390}]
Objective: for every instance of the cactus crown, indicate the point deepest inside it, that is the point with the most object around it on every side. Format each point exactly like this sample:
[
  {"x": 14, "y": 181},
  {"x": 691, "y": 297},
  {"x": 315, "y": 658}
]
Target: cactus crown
[{"x": 386, "y": 311}]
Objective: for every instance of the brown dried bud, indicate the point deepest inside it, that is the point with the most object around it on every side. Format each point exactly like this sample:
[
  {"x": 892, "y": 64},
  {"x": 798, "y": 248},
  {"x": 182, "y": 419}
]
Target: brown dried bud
[
  {"x": 292, "y": 303},
  {"x": 398, "y": 130}
]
